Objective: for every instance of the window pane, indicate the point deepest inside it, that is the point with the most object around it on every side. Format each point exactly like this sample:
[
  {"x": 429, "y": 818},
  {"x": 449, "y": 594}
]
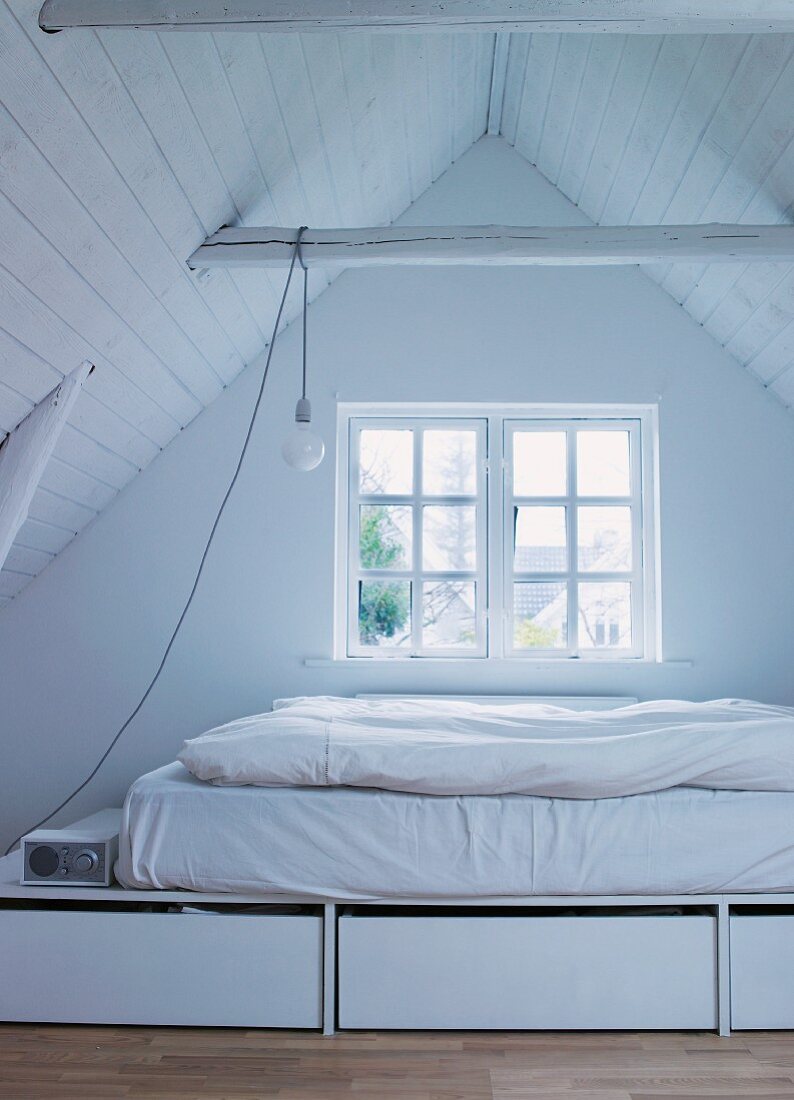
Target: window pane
[
  {"x": 384, "y": 613},
  {"x": 605, "y": 615},
  {"x": 539, "y": 464},
  {"x": 540, "y": 540},
  {"x": 449, "y": 462},
  {"x": 386, "y": 460},
  {"x": 385, "y": 536},
  {"x": 448, "y": 614},
  {"x": 540, "y": 615},
  {"x": 602, "y": 464},
  {"x": 604, "y": 539},
  {"x": 449, "y": 537}
]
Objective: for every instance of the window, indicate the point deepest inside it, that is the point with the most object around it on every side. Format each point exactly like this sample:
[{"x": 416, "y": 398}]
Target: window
[
  {"x": 513, "y": 533},
  {"x": 417, "y": 579},
  {"x": 573, "y": 537}
]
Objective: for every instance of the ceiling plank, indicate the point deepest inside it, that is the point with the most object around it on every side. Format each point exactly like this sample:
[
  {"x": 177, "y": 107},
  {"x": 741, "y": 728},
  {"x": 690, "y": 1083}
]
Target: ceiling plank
[
  {"x": 270, "y": 247},
  {"x": 35, "y": 534},
  {"x": 26, "y": 452},
  {"x": 78, "y": 140},
  {"x": 501, "y": 52},
  {"x": 22, "y": 559},
  {"x": 615, "y": 16}
]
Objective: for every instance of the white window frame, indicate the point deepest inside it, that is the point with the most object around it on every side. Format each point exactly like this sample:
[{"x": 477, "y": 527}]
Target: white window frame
[
  {"x": 416, "y": 574},
  {"x": 494, "y": 575},
  {"x": 572, "y": 576}
]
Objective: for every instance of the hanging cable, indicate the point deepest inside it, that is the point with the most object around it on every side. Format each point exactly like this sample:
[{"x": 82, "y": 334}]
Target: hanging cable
[
  {"x": 303, "y": 449},
  {"x": 305, "y": 306},
  {"x": 208, "y": 544}
]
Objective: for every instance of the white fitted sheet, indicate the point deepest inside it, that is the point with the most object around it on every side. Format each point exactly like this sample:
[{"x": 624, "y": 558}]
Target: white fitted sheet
[{"x": 348, "y": 843}]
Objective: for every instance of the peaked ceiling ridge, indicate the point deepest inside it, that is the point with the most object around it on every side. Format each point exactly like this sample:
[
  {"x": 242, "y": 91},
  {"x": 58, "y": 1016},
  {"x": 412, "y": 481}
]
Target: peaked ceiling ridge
[{"x": 681, "y": 130}]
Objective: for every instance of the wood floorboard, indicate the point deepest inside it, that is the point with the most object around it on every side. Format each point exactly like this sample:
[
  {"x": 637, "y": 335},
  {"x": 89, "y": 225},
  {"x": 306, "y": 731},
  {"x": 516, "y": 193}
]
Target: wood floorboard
[{"x": 48, "y": 1062}]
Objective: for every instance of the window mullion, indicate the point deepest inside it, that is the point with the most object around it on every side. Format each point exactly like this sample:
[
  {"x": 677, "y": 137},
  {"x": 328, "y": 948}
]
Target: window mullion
[
  {"x": 482, "y": 544},
  {"x": 639, "y": 640},
  {"x": 572, "y": 524},
  {"x": 416, "y": 586},
  {"x": 491, "y": 565},
  {"x": 353, "y": 540},
  {"x": 504, "y": 612}
]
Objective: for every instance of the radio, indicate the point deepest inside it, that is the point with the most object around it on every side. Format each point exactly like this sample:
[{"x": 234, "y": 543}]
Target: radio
[{"x": 82, "y": 854}]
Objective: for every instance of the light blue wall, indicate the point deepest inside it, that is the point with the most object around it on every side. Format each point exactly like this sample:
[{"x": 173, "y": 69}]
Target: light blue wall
[{"x": 80, "y": 643}]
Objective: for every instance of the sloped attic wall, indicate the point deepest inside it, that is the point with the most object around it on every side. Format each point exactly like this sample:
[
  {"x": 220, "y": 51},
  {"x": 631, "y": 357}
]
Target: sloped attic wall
[{"x": 78, "y": 646}]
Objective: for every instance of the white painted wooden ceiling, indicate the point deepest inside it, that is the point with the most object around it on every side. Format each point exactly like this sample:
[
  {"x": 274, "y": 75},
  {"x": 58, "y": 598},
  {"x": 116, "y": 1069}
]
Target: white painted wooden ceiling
[
  {"x": 120, "y": 151},
  {"x": 678, "y": 129}
]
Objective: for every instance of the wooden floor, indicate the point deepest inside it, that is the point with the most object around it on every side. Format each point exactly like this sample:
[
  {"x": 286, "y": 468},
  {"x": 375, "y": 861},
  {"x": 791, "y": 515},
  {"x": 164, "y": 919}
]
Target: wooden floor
[{"x": 50, "y": 1063}]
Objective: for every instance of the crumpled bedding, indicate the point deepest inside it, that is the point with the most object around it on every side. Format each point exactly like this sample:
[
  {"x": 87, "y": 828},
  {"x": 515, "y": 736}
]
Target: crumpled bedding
[{"x": 442, "y": 747}]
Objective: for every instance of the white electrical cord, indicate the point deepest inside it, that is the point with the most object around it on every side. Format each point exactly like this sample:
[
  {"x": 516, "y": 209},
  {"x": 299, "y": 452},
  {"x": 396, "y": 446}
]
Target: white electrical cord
[{"x": 200, "y": 569}]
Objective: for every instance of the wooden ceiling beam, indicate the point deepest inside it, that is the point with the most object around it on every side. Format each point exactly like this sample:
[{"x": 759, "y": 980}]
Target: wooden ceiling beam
[
  {"x": 610, "y": 16},
  {"x": 499, "y": 245}
]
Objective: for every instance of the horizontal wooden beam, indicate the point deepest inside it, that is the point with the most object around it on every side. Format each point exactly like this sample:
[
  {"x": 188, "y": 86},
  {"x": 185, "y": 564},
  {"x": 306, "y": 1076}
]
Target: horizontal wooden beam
[
  {"x": 497, "y": 244},
  {"x": 27, "y": 450},
  {"x": 610, "y": 16}
]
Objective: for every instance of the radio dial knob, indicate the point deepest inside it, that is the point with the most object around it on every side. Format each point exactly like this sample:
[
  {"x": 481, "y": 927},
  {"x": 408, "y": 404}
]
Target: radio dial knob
[{"x": 86, "y": 861}]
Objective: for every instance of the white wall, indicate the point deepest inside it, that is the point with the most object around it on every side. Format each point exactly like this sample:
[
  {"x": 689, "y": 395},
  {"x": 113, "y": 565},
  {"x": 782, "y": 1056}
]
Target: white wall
[{"x": 80, "y": 643}]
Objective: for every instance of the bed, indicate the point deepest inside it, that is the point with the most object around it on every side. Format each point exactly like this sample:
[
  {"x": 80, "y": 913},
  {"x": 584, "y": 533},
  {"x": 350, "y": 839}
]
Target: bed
[
  {"x": 311, "y": 904},
  {"x": 357, "y": 842}
]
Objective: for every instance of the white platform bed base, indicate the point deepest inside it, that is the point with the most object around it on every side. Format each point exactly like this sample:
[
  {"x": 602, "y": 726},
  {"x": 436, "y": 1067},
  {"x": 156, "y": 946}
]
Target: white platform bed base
[
  {"x": 702, "y": 962},
  {"x": 689, "y": 961}
]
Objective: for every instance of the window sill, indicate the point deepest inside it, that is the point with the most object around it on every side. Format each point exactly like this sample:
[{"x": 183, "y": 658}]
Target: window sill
[{"x": 461, "y": 663}]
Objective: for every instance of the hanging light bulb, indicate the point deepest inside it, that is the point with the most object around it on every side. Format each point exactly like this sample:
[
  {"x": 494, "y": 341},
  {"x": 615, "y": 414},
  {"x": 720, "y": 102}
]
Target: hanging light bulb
[{"x": 303, "y": 449}]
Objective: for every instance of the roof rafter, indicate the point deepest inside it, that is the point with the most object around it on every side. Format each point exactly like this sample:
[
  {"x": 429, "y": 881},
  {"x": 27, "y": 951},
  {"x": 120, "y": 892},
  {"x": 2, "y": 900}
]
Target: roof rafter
[{"x": 612, "y": 16}]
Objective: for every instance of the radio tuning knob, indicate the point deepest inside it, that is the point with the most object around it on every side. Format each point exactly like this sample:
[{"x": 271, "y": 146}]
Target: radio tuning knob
[{"x": 86, "y": 861}]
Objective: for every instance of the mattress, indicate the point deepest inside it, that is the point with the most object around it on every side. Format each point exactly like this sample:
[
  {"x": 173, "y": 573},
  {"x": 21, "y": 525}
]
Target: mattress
[{"x": 356, "y": 843}]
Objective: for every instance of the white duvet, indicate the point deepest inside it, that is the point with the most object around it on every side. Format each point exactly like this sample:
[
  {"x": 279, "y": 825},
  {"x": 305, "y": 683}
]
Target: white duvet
[{"x": 447, "y": 748}]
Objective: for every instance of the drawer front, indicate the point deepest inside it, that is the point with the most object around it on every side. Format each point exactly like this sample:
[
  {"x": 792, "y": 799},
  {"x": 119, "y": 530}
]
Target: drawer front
[
  {"x": 527, "y": 972},
  {"x": 152, "y": 968},
  {"x": 762, "y": 972}
]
